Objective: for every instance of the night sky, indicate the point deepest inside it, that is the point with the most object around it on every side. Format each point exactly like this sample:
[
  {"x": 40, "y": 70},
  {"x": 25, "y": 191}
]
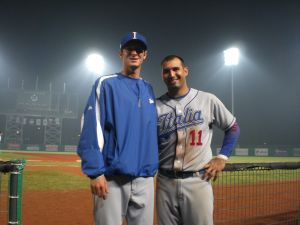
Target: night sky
[{"x": 51, "y": 39}]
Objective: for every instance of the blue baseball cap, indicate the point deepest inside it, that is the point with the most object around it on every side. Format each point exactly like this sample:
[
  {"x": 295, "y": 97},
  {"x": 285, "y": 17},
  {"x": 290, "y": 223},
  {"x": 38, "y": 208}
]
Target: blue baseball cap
[{"x": 133, "y": 36}]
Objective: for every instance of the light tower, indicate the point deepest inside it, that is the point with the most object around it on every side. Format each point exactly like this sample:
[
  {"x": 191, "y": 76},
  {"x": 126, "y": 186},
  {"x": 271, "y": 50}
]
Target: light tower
[{"x": 231, "y": 58}]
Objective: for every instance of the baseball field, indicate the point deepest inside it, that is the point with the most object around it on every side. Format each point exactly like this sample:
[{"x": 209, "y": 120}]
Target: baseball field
[{"x": 56, "y": 192}]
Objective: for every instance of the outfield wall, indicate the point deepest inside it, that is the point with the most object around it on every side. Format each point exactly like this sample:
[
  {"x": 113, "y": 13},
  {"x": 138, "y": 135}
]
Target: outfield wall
[
  {"x": 44, "y": 148},
  {"x": 280, "y": 151}
]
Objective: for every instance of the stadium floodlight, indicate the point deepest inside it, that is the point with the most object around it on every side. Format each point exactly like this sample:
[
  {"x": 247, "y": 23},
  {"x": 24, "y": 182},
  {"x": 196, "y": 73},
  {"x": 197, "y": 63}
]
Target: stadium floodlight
[
  {"x": 231, "y": 58},
  {"x": 95, "y": 63}
]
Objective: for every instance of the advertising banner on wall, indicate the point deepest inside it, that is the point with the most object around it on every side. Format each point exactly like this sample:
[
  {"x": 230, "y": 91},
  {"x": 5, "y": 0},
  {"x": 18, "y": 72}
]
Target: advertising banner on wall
[
  {"x": 281, "y": 152},
  {"x": 51, "y": 148},
  {"x": 14, "y": 146},
  {"x": 242, "y": 151},
  {"x": 261, "y": 151},
  {"x": 296, "y": 151},
  {"x": 70, "y": 148},
  {"x": 33, "y": 147}
]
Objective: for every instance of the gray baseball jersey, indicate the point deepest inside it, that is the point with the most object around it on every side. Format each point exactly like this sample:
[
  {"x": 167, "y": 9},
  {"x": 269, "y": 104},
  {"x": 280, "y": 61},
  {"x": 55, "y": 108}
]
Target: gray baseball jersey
[{"x": 185, "y": 129}]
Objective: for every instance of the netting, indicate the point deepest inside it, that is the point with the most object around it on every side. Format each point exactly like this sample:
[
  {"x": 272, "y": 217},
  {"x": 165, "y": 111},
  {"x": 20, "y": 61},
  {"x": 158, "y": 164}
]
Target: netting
[{"x": 264, "y": 193}]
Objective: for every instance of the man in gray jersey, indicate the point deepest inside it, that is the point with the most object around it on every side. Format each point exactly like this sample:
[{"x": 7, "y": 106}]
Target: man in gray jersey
[{"x": 186, "y": 165}]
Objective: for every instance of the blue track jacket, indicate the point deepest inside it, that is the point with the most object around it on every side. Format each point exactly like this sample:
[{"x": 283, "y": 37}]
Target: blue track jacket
[{"x": 119, "y": 132}]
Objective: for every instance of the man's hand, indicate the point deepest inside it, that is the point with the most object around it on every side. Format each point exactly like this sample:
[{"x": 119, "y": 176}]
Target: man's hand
[
  {"x": 99, "y": 187},
  {"x": 212, "y": 168}
]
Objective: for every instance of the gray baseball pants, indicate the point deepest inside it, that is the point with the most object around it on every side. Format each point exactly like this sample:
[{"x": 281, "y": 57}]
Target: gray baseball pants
[
  {"x": 128, "y": 198},
  {"x": 186, "y": 201}
]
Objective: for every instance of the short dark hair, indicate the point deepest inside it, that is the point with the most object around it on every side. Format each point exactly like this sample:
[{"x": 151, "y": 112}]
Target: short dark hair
[{"x": 171, "y": 57}]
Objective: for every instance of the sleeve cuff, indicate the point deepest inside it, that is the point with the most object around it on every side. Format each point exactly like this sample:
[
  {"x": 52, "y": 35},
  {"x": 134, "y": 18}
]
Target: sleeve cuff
[
  {"x": 220, "y": 156},
  {"x": 95, "y": 177}
]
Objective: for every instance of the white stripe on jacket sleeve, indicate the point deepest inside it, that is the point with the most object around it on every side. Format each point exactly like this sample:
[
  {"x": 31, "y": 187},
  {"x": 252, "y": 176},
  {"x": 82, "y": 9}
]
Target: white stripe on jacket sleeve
[{"x": 100, "y": 137}]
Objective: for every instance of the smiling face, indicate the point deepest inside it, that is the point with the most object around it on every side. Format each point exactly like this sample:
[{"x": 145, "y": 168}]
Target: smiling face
[
  {"x": 174, "y": 74},
  {"x": 133, "y": 55}
]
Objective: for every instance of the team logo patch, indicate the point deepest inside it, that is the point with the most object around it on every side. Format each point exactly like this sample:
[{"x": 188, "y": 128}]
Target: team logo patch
[{"x": 151, "y": 101}]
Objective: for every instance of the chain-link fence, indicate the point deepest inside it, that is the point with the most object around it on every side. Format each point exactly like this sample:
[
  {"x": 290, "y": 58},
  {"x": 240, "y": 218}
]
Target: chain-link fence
[{"x": 260, "y": 193}]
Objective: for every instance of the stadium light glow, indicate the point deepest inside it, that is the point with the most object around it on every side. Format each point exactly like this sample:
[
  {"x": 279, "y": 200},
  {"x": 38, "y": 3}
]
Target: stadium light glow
[
  {"x": 95, "y": 63},
  {"x": 231, "y": 56}
]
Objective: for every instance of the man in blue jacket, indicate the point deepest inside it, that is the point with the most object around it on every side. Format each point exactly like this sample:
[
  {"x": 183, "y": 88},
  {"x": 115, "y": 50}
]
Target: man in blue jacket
[{"x": 118, "y": 141}]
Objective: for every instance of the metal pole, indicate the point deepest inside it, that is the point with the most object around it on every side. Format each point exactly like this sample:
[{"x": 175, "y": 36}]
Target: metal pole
[
  {"x": 37, "y": 83},
  {"x": 15, "y": 193},
  {"x": 64, "y": 90},
  {"x": 50, "y": 95},
  {"x": 13, "y": 198},
  {"x": 232, "y": 92}
]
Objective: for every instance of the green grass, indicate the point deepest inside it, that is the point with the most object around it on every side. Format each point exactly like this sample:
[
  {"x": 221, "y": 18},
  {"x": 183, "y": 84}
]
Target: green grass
[
  {"x": 48, "y": 180},
  {"x": 44, "y": 180},
  {"x": 53, "y": 180},
  {"x": 52, "y": 163},
  {"x": 7, "y": 155},
  {"x": 11, "y": 156},
  {"x": 261, "y": 159}
]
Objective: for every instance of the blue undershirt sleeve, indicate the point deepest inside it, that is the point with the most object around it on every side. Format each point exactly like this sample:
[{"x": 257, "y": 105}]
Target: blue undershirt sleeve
[{"x": 230, "y": 139}]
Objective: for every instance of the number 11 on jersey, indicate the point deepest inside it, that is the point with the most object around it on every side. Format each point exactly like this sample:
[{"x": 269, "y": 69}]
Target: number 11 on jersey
[{"x": 196, "y": 138}]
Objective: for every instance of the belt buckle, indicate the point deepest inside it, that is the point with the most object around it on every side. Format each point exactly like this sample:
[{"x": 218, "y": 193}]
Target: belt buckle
[{"x": 199, "y": 173}]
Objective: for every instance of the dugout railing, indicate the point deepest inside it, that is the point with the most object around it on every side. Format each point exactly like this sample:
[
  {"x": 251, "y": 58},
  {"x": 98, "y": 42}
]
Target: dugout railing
[
  {"x": 11, "y": 181},
  {"x": 258, "y": 193}
]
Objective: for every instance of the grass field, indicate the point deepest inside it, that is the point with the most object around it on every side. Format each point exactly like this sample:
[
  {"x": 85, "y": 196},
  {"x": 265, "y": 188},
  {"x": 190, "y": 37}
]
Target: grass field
[
  {"x": 56, "y": 192},
  {"x": 9, "y": 155},
  {"x": 43, "y": 179},
  {"x": 261, "y": 159},
  {"x": 39, "y": 175}
]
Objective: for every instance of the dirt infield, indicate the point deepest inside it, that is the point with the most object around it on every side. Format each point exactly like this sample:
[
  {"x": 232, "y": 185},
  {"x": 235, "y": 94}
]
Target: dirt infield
[
  {"x": 53, "y": 207},
  {"x": 56, "y": 207},
  {"x": 75, "y": 207}
]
